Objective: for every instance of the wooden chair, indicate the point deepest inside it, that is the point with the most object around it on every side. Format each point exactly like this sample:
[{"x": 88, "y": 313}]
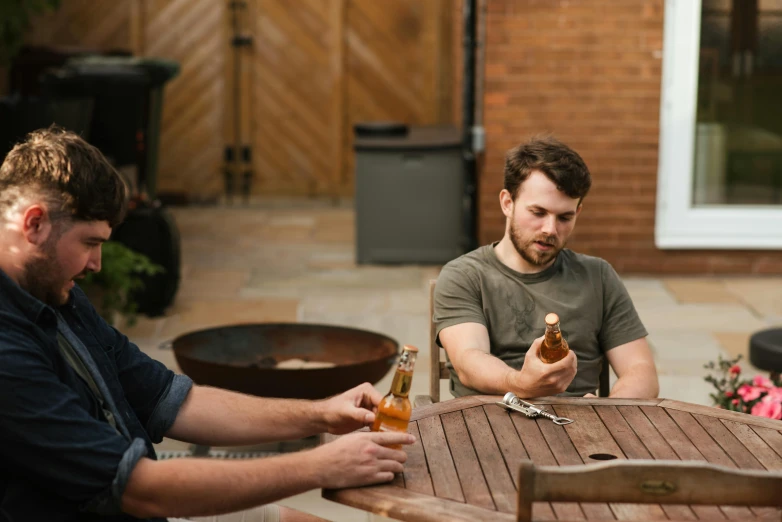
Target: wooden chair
[
  {"x": 438, "y": 370},
  {"x": 646, "y": 482}
]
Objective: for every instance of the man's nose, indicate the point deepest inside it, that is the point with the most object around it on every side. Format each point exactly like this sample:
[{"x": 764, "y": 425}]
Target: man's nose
[
  {"x": 550, "y": 225},
  {"x": 93, "y": 264}
]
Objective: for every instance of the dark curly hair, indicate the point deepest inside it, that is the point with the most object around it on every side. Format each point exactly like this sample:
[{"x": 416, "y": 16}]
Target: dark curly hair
[
  {"x": 561, "y": 164},
  {"x": 72, "y": 176}
]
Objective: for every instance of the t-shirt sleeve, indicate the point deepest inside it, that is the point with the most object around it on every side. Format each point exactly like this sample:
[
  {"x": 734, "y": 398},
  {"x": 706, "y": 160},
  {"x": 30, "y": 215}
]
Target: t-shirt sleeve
[
  {"x": 621, "y": 323},
  {"x": 457, "y": 300}
]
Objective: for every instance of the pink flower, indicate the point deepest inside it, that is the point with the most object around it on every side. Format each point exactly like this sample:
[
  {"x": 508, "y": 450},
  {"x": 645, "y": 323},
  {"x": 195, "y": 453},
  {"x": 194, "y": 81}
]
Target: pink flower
[
  {"x": 735, "y": 369},
  {"x": 728, "y": 394},
  {"x": 749, "y": 393},
  {"x": 762, "y": 382},
  {"x": 768, "y": 409},
  {"x": 735, "y": 402},
  {"x": 774, "y": 395}
]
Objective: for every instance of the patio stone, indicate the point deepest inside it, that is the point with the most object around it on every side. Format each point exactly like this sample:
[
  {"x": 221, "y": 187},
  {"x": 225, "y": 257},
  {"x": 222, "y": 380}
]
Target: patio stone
[
  {"x": 213, "y": 283},
  {"x": 688, "y": 291},
  {"x": 735, "y": 343},
  {"x": 711, "y": 317},
  {"x": 208, "y": 314}
]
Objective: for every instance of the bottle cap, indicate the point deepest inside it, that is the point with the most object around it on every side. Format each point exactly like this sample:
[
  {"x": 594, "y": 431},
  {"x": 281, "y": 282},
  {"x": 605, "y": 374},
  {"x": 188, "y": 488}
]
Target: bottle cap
[
  {"x": 410, "y": 348},
  {"x": 552, "y": 319}
]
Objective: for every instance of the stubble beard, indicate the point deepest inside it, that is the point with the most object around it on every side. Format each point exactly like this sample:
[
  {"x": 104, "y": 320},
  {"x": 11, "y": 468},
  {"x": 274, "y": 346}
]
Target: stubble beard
[{"x": 527, "y": 250}]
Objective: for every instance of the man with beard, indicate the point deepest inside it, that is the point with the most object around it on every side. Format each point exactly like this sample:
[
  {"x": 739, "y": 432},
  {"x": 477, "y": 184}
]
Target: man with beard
[
  {"x": 80, "y": 405},
  {"x": 490, "y": 303}
]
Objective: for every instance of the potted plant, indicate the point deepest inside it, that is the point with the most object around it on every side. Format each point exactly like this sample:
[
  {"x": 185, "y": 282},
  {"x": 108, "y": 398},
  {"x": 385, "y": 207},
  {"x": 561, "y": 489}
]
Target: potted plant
[
  {"x": 760, "y": 395},
  {"x": 15, "y": 21},
  {"x": 112, "y": 289}
]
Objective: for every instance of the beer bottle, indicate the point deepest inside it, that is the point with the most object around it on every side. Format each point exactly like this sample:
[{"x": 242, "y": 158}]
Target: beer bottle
[
  {"x": 393, "y": 412},
  {"x": 554, "y": 347}
]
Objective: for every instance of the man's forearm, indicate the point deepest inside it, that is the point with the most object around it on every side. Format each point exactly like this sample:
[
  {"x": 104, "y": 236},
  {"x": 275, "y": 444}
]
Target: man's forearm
[
  {"x": 485, "y": 373},
  {"x": 639, "y": 382},
  {"x": 216, "y": 417},
  {"x": 203, "y": 487}
]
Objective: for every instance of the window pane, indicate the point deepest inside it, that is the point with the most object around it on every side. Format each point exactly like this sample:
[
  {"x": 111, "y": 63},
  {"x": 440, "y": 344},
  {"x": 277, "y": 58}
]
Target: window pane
[{"x": 738, "y": 142}]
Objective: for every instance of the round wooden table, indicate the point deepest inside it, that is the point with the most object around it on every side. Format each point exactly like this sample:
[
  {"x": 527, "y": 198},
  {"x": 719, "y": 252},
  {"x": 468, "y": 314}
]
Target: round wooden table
[{"x": 465, "y": 461}]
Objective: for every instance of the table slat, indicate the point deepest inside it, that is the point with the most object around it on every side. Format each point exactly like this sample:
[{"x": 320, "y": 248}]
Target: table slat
[
  {"x": 441, "y": 467},
  {"x": 476, "y": 491},
  {"x": 591, "y": 437},
  {"x": 403, "y": 504},
  {"x": 416, "y": 472},
  {"x": 540, "y": 454},
  {"x": 494, "y": 468},
  {"x": 513, "y": 452},
  {"x": 659, "y": 447},
  {"x": 634, "y": 448},
  {"x": 728, "y": 442},
  {"x": 771, "y": 437},
  {"x": 766, "y": 457},
  {"x": 711, "y": 452}
]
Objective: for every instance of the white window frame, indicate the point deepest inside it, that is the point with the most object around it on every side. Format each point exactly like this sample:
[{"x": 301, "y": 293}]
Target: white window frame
[{"x": 678, "y": 224}]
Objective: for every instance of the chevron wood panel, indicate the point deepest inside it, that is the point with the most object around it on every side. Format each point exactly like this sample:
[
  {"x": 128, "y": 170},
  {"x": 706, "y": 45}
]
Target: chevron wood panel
[
  {"x": 399, "y": 66},
  {"x": 315, "y": 68},
  {"x": 85, "y": 23},
  {"x": 293, "y": 84},
  {"x": 193, "y": 33}
]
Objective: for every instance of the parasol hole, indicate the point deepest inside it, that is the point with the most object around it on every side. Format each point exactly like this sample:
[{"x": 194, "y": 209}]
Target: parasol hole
[{"x": 602, "y": 456}]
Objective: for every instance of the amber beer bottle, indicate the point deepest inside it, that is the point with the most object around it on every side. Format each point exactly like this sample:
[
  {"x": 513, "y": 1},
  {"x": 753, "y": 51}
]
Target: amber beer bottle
[
  {"x": 393, "y": 412},
  {"x": 554, "y": 347}
]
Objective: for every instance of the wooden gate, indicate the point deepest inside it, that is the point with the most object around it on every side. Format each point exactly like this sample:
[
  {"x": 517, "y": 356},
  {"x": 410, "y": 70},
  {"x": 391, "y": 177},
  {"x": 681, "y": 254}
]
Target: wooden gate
[{"x": 314, "y": 69}]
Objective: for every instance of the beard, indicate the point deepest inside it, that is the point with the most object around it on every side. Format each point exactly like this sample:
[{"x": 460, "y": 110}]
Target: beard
[
  {"x": 527, "y": 250},
  {"x": 44, "y": 278}
]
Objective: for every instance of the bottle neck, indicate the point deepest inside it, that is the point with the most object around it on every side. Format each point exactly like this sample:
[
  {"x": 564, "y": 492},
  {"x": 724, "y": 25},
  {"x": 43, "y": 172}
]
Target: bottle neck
[
  {"x": 553, "y": 335},
  {"x": 403, "y": 378}
]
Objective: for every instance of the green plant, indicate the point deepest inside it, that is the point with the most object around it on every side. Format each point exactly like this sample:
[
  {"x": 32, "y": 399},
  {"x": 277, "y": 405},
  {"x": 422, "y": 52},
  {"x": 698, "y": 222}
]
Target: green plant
[
  {"x": 15, "y": 21},
  {"x": 122, "y": 270}
]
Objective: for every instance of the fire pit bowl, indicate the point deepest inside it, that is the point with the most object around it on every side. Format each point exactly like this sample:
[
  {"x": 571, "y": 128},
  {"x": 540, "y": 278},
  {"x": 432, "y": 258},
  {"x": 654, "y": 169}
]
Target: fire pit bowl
[{"x": 293, "y": 360}]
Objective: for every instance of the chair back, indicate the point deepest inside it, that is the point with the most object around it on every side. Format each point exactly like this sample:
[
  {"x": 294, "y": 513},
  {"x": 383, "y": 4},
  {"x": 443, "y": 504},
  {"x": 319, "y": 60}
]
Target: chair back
[{"x": 646, "y": 482}]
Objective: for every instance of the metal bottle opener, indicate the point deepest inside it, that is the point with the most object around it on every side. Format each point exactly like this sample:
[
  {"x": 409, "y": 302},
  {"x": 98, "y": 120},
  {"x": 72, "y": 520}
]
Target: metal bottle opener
[{"x": 512, "y": 403}]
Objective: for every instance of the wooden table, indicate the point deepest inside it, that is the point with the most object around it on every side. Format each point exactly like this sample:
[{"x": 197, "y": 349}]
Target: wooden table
[{"x": 465, "y": 461}]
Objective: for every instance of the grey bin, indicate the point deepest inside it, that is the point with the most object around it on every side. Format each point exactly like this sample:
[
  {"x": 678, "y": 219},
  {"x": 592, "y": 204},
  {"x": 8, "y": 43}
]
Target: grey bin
[{"x": 410, "y": 189}]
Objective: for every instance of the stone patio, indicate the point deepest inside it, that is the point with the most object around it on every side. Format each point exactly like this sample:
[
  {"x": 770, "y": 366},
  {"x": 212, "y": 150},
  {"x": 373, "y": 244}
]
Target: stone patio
[{"x": 294, "y": 261}]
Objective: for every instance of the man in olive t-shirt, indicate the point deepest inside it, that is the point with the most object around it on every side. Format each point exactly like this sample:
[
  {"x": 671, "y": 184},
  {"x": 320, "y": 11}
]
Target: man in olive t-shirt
[{"x": 490, "y": 304}]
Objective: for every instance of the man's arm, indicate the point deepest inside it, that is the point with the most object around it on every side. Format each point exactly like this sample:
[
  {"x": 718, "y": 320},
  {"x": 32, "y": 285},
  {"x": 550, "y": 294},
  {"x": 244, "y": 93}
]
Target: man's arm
[
  {"x": 634, "y": 366},
  {"x": 217, "y": 417},
  {"x": 203, "y": 487},
  {"x": 468, "y": 348}
]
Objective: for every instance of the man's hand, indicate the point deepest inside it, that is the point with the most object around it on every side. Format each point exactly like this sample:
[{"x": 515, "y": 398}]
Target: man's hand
[
  {"x": 360, "y": 459},
  {"x": 351, "y": 410},
  {"x": 539, "y": 379}
]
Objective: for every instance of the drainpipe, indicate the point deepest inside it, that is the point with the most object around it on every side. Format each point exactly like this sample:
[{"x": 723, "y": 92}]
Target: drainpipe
[{"x": 472, "y": 141}]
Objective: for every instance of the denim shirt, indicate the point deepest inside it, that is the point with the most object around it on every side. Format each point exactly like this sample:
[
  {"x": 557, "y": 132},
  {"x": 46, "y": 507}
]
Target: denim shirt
[{"x": 60, "y": 460}]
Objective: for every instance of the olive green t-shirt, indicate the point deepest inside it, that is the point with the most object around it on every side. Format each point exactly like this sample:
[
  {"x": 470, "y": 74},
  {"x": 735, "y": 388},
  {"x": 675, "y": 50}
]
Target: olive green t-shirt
[{"x": 596, "y": 313}]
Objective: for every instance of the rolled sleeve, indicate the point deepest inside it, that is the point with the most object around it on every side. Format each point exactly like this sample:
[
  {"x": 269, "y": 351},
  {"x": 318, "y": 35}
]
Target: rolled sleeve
[
  {"x": 47, "y": 436},
  {"x": 109, "y": 501},
  {"x": 168, "y": 406}
]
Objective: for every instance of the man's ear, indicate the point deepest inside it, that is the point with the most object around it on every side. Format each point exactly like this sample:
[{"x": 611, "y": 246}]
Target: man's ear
[
  {"x": 36, "y": 225},
  {"x": 506, "y": 203}
]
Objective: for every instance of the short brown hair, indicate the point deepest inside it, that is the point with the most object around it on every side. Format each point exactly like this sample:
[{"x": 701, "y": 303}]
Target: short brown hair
[
  {"x": 561, "y": 164},
  {"x": 74, "y": 178}
]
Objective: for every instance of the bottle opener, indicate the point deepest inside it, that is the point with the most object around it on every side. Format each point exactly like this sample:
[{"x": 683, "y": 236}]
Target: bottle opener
[{"x": 512, "y": 403}]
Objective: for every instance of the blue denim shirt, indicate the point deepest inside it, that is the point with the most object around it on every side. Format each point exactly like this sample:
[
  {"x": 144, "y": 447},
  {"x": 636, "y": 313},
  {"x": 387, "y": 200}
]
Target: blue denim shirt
[{"x": 60, "y": 460}]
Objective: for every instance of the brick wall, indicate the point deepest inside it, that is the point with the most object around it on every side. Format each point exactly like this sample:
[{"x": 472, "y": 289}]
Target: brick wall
[{"x": 589, "y": 72}]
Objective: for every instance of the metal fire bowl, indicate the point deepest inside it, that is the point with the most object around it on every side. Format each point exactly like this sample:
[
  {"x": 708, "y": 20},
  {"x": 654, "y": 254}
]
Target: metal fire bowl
[{"x": 243, "y": 358}]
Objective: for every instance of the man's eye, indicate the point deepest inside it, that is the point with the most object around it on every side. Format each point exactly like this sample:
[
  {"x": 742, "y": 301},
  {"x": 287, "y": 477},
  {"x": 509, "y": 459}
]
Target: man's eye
[
  {"x": 538, "y": 213},
  {"x": 565, "y": 218}
]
